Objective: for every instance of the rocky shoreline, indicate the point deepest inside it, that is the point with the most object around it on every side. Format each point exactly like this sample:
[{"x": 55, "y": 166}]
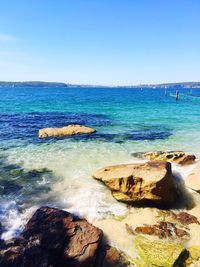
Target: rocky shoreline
[
  {"x": 159, "y": 230},
  {"x": 54, "y": 237},
  {"x": 166, "y": 233}
]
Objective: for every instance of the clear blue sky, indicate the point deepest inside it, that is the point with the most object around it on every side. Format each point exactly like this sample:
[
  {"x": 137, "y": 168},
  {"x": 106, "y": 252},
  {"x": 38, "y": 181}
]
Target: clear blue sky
[{"x": 100, "y": 41}]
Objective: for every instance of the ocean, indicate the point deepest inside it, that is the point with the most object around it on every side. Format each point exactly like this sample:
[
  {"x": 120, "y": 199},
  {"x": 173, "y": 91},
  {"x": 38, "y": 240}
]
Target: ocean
[{"x": 57, "y": 171}]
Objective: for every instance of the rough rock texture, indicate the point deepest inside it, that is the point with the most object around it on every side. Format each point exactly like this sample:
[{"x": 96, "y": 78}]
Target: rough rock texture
[
  {"x": 193, "y": 179},
  {"x": 178, "y": 157},
  {"x": 82, "y": 247},
  {"x": 113, "y": 258},
  {"x": 183, "y": 218},
  {"x": 160, "y": 253},
  {"x": 186, "y": 218},
  {"x": 139, "y": 183},
  {"x": 53, "y": 237},
  {"x": 163, "y": 230},
  {"x": 65, "y": 131}
]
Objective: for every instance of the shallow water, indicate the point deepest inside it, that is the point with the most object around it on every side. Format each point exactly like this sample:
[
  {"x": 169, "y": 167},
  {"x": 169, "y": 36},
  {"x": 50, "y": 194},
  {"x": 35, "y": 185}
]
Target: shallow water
[{"x": 57, "y": 171}]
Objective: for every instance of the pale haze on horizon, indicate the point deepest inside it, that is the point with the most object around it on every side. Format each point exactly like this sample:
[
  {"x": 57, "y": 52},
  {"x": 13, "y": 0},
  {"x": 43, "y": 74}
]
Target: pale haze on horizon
[{"x": 105, "y": 42}]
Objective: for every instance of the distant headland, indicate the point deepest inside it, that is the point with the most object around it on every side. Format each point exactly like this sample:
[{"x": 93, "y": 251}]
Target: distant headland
[
  {"x": 60, "y": 84},
  {"x": 32, "y": 84}
]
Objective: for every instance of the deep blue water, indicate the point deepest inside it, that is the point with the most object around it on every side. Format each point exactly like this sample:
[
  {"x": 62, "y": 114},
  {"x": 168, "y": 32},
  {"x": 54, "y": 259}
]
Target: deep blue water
[{"x": 119, "y": 114}]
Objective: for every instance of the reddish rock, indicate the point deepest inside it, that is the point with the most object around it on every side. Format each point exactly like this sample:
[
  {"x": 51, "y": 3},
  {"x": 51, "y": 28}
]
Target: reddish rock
[
  {"x": 113, "y": 258},
  {"x": 146, "y": 230},
  {"x": 53, "y": 237},
  {"x": 82, "y": 246},
  {"x": 186, "y": 218},
  {"x": 183, "y": 217},
  {"x": 170, "y": 230},
  {"x": 181, "y": 233},
  {"x": 162, "y": 230}
]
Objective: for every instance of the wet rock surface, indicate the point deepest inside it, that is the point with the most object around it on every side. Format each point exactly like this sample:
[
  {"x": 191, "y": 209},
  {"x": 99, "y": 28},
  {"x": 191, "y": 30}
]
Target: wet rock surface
[
  {"x": 182, "y": 217},
  {"x": 172, "y": 225},
  {"x": 186, "y": 218},
  {"x": 162, "y": 230},
  {"x": 69, "y": 130},
  {"x": 178, "y": 157},
  {"x": 53, "y": 237},
  {"x": 113, "y": 258}
]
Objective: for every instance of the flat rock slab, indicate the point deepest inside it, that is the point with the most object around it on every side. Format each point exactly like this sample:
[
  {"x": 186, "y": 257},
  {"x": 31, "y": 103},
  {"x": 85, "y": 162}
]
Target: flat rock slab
[
  {"x": 178, "y": 157},
  {"x": 193, "y": 179},
  {"x": 133, "y": 183},
  {"x": 69, "y": 130}
]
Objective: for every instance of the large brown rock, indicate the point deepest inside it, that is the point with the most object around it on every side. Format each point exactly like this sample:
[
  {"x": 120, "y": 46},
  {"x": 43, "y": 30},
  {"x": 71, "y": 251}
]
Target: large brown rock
[
  {"x": 178, "y": 157},
  {"x": 53, "y": 238},
  {"x": 152, "y": 181},
  {"x": 65, "y": 131},
  {"x": 193, "y": 179}
]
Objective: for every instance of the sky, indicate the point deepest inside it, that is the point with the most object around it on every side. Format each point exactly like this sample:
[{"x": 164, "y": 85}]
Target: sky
[{"x": 105, "y": 42}]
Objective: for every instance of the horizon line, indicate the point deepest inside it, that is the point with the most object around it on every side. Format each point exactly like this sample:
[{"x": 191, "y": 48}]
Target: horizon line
[{"x": 102, "y": 85}]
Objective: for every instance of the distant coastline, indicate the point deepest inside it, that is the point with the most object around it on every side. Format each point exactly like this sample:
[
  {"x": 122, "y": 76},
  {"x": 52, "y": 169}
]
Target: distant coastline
[
  {"x": 32, "y": 84},
  {"x": 59, "y": 84}
]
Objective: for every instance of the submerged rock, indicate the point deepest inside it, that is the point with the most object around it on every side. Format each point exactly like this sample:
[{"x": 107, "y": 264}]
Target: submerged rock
[
  {"x": 193, "y": 179},
  {"x": 163, "y": 230},
  {"x": 178, "y": 157},
  {"x": 69, "y": 130},
  {"x": 16, "y": 172},
  {"x": 183, "y": 218},
  {"x": 53, "y": 237},
  {"x": 160, "y": 253},
  {"x": 139, "y": 183}
]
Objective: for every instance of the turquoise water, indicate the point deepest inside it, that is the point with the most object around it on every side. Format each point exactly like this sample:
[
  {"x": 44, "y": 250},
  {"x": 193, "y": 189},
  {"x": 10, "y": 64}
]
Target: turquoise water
[{"x": 57, "y": 171}]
